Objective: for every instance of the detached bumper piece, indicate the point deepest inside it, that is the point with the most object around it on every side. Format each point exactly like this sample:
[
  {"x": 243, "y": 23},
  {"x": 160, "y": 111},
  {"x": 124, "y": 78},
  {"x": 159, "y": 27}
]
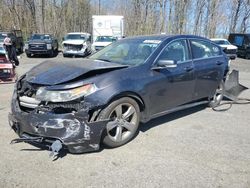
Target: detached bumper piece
[
  {"x": 55, "y": 147},
  {"x": 232, "y": 86},
  {"x": 57, "y": 131}
]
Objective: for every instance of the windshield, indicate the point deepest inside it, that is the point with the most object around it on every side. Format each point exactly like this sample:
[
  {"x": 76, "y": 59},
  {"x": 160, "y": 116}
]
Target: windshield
[
  {"x": 221, "y": 42},
  {"x": 127, "y": 51},
  {"x": 105, "y": 39},
  {"x": 40, "y": 37},
  {"x": 74, "y": 37}
]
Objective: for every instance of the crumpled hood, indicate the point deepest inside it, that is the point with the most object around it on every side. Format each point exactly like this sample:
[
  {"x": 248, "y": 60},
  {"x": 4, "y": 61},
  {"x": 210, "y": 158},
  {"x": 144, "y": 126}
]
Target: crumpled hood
[
  {"x": 77, "y": 42},
  {"x": 58, "y": 72}
]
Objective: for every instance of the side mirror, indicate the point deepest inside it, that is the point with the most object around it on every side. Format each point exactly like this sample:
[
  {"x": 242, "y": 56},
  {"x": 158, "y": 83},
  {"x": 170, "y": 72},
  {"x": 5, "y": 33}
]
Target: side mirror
[{"x": 166, "y": 64}]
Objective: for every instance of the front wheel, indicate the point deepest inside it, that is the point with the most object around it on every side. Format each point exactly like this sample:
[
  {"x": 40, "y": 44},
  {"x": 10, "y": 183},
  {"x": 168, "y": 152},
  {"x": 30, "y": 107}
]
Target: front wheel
[
  {"x": 28, "y": 54},
  {"x": 218, "y": 95},
  {"x": 51, "y": 54},
  {"x": 124, "y": 114}
]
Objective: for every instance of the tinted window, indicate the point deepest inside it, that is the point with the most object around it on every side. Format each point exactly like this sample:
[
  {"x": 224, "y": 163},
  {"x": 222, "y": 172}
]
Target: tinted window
[
  {"x": 177, "y": 51},
  {"x": 204, "y": 49},
  {"x": 238, "y": 40}
]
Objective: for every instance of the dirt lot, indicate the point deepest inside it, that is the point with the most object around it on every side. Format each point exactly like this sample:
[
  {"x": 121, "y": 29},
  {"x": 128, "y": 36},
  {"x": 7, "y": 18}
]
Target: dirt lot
[{"x": 197, "y": 147}]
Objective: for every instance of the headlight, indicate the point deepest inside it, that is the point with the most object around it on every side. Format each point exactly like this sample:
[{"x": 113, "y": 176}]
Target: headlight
[
  {"x": 65, "y": 95},
  {"x": 49, "y": 47}
]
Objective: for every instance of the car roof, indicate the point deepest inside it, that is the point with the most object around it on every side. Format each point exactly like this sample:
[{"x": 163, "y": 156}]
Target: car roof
[
  {"x": 164, "y": 37},
  {"x": 41, "y": 34},
  {"x": 218, "y": 39}
]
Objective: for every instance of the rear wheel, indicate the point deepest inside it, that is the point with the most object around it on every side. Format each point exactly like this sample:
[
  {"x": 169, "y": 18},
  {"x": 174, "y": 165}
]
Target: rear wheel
[
  {"x": 218, "y": 95},
  {"x": 247, "y": 55},
  {"x": 124, "y": 114}
]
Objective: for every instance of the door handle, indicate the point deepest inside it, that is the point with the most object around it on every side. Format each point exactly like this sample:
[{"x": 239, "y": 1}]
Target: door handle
[
  {"x": 219, "y": 63},
  {"x": 188, "y": 69}
]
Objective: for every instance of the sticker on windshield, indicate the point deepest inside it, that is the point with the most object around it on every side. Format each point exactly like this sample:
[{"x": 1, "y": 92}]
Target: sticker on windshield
[{"x": 152, "y": 41}]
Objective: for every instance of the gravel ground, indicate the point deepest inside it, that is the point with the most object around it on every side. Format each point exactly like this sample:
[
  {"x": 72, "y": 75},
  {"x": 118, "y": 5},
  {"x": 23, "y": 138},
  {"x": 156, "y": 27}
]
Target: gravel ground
[{"x": 197, "y": 147}]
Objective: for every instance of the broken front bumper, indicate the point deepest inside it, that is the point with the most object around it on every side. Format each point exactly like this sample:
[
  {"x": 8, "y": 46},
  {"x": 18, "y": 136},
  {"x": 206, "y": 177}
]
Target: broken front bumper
[{"x": 71, "y": 129}]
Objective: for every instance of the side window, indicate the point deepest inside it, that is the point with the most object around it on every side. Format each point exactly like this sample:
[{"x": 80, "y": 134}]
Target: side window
[
  {"x": 177, "y": 51},
  {"x": 204, "y": 49},
  {"x": 238, "y": 40}
]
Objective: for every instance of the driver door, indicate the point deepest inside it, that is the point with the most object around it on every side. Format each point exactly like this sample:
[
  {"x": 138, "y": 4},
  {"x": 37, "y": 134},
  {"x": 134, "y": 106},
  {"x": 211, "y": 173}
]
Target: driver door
[{"x": 173, "y": 85}]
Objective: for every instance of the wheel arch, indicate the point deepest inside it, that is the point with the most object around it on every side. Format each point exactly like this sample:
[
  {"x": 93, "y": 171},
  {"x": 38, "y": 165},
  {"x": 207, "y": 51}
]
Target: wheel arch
[{"x": 138, "y": 99}]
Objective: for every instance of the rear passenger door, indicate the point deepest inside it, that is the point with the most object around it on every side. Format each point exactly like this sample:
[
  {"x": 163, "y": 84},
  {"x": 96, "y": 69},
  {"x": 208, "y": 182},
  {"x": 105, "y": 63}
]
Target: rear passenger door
[{"x": 208, "y": 67}]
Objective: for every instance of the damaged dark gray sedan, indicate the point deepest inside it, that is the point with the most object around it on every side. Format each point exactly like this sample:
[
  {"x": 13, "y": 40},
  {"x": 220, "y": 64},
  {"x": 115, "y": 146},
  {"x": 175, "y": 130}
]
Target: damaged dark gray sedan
[{"x": 80, "y": 103}]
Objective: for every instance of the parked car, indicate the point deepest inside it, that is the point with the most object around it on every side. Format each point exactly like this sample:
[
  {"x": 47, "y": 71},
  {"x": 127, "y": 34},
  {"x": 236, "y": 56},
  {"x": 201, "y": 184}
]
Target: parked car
[
  {"x": 2, "y": 49},
  {"x": 103, "y": 98},
  {"x": 102, "y": 41},
  {"x": 228, "y": 48},
  {"x": 76, "y": 44},
  {"x": 41, "y": 44},
  {"x": 16, "y": 37},
  {"x": 242, "y": 41}
]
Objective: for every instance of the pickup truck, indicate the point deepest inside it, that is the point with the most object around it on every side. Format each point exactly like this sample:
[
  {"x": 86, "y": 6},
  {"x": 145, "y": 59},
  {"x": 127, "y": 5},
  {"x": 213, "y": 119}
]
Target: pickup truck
[
  {"x": 16, "y": 37},
  {"x": 41, "y": 44}
]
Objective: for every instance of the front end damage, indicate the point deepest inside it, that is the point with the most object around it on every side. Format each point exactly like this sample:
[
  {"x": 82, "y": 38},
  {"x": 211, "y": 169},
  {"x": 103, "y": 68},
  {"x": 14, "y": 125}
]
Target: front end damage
[{"x": 56, "y": 125}]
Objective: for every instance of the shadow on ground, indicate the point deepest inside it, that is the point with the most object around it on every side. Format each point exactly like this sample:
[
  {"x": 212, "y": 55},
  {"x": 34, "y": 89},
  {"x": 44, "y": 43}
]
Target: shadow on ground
[{"x": 170, "y": 117}]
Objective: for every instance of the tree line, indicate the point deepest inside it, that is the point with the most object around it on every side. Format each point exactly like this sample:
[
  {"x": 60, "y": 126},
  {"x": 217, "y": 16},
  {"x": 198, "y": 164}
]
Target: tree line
[{"x": 209, "y": 18}]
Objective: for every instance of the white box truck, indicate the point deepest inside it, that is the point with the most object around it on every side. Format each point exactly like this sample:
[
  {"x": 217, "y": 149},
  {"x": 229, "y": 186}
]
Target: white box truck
[{"x": 106, "y": 29}]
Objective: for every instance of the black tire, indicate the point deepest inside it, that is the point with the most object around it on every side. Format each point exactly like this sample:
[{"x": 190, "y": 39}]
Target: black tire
[
  {"x": 51, "y": 54},
  {"x": 218, "y": 95},
  {"x": 247, "y": 56},
  {"x": 28, "y": 55},
  {"x": 125, "y": 116},
  {"x": 20, "y": 50}
]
